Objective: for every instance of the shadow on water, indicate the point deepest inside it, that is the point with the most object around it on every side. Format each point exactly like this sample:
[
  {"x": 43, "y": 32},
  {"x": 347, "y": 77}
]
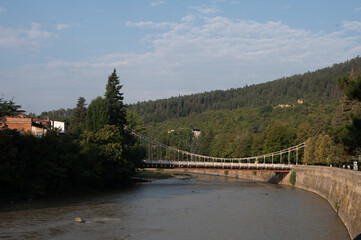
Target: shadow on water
[
  {"x": 77, "y": 199},
  {"x": 119, "y": 195}
]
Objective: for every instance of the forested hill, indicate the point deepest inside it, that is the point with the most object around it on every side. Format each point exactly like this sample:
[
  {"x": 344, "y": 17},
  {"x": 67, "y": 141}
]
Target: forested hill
[{"x": 312, "y": 87}]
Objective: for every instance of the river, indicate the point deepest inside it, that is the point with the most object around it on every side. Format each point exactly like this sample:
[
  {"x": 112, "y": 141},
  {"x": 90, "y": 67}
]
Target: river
[{"x": 201, "y": 207}]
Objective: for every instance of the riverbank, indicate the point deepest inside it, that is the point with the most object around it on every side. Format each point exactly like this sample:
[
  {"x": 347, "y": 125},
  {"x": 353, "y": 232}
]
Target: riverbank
[{"x": 340, "y": 187}]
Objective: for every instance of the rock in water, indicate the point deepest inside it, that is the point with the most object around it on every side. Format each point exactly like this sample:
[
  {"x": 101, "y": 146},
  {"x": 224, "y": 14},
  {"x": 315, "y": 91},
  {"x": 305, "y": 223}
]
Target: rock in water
[{"x": 78, "y": 220}]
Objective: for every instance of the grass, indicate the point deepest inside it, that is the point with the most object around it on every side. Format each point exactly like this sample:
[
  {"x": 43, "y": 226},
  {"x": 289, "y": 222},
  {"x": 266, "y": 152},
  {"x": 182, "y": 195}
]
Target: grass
[
  {"x": 293, "y": 178},
  {"x": 337, "y": 206}
]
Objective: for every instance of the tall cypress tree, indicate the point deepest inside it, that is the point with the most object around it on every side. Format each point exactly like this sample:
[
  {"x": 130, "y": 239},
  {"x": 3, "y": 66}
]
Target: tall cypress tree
[
  {"x": 78, "y": 122},
  {"x": 117, "y": 114}
]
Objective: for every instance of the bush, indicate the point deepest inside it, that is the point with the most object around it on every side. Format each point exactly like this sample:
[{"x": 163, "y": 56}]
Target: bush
[{"x": 293, "y": 178}]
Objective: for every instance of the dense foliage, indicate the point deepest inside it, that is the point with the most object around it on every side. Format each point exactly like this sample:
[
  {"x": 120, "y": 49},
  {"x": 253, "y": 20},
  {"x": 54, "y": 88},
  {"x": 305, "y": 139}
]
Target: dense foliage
[
  {"x": 244, "y": 132},
  {"x": 97, "y": 114},
  {"x": 313, "y": 87},
  {"x": 96, "y": 155},
  {"x": 64, "y": 115},
  {"x": 250, "y": 121},
  {"x": 9, "y": 108}
]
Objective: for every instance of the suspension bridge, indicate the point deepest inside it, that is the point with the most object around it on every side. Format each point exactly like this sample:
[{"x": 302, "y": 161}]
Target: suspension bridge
[{"x": 160, "y": 155}]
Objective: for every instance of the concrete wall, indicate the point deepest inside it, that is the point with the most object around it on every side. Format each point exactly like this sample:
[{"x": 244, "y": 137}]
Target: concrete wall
[
  {"x": 342, "y": 188},
  {"x": 264, "y": 176}
]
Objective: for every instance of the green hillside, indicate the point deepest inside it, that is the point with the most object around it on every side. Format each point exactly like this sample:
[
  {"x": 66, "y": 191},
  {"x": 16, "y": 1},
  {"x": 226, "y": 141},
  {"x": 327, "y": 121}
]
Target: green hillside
[
  {"x": 252, "y": 120},
  {"x": 313, "y": 87}
]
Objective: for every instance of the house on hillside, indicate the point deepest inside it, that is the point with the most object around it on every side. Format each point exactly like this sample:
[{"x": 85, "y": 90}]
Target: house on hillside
[
  {"x": 23, "y": 123},
  {"x": 196, "y": 132}
]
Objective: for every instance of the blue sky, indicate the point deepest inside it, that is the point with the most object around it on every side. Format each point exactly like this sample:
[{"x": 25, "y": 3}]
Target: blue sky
[{"x": 52, "y": 52}]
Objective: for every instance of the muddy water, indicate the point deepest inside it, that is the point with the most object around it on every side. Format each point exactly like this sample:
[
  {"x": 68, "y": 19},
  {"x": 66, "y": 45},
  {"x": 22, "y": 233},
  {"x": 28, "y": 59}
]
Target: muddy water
[{"x": 203, "y": 207}]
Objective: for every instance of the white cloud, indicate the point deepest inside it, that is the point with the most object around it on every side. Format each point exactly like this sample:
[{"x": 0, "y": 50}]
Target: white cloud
[
  {"x": 188, "y": 18},
  {"x": 61, "y": 26},
  {"x": 205, "y": 10},
  {"x": 195, "y": 55},
  {"x": 352, "y": 25},
  {"x": 357, "y": 9},
  {"x": 2, "y": 9},
  {"x": 150, "y": 24},
  {"x": 156, "y": 3},
  {"x": 23, "y": 38}
]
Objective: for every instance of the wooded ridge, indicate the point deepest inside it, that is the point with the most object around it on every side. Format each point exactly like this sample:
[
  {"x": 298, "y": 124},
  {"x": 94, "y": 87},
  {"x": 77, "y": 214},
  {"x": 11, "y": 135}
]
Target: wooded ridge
[{"x": 313, "y": 87}]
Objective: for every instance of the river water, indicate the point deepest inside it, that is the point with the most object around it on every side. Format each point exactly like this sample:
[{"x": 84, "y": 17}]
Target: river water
[{"x": 202, "y": 207}]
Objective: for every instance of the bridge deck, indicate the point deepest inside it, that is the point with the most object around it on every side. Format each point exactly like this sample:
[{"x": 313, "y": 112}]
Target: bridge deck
[{"x": 217, "y": 165}]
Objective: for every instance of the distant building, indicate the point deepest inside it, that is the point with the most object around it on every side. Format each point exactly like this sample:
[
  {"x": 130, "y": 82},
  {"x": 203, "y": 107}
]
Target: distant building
[
  {"x": 300, "y": 101},
  {"x": 58, "y": 126},
  {"x": 196, "y": 132},
  {"x": 23, "y": 123},
  {"x": 284, "y": 105}
]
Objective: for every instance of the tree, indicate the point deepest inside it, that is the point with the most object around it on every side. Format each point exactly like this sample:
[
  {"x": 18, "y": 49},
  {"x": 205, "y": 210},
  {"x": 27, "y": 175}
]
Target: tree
[
  {"x": 117, "y": 115},
  {"x": 9, "y": 108},
  {"x": 97, "y": 114},
  {"x": 324, "y": 150},
  {"x": 78, "y": 123},
  {"x": 243, "y": 145},
  {"x": 278, "y": 135},
  {"x": 351, "y": 87},
  {"x": 133, "y": 121},
  {"x": 309, "y": 157},
  {"x": 206, "y": 139},
  {"x": 320, "y": 150},
  {"x": 107, "y": 153},
  {"x": 304, "y": 131}
]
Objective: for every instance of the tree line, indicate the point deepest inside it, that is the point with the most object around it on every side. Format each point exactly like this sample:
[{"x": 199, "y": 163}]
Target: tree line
[
  {"x": 305, "y": 86},
  {"x": 97, "y": 154}
]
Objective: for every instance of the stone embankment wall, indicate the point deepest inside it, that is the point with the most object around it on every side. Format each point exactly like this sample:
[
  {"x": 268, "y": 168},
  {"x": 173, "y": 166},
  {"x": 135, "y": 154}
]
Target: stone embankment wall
[
  {"x": 263, "y": 176},
  {"x": 340, "y": 187}
]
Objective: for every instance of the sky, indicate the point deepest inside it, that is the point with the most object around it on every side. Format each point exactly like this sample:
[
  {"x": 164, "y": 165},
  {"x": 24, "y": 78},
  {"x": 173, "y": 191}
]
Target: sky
[{"x": 53, "y": 52}]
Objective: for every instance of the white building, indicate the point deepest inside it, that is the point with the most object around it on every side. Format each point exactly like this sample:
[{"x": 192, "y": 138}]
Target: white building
[
  {"x": 196, "y": 132},
  {"x": 59, "y": 126}
]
